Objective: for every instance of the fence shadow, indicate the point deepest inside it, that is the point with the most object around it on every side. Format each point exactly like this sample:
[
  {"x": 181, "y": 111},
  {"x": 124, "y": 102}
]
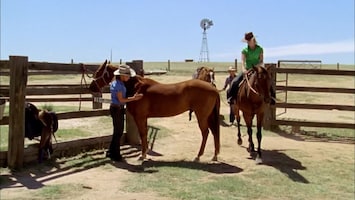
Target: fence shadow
[
  {"x": 297, "y": 134},
  {"x": 49, "y": 170}
]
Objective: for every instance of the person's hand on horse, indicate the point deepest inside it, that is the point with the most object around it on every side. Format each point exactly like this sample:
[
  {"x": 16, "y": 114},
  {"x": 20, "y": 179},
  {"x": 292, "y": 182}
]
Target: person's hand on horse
[
  {"x": 137, "y": 96},
  {"x": 245, "y": 73}
]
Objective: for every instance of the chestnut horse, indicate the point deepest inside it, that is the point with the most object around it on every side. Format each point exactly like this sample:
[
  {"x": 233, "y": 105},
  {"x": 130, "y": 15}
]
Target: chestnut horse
[
  {"x": 204, "y": 74},
  {"x": 253, "y": 97},
  {"x": 166, "y": 100}
]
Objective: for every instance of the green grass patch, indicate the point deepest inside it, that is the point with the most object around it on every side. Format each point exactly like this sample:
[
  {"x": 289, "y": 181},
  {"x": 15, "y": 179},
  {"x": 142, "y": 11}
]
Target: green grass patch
[
  {"x": 4, "y": 137},
  {"x": 280, "y": 179},
  {"x": 70, "y": 134},
  {"x": 59, "y": 191}
]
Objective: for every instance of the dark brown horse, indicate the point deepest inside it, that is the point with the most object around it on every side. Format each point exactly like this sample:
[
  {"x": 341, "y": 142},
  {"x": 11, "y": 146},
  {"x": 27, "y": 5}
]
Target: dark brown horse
[
  {"x": 166, "y": 100},
  {"x": 41, "y": 123},
  {"x": 253, "y": 97}
]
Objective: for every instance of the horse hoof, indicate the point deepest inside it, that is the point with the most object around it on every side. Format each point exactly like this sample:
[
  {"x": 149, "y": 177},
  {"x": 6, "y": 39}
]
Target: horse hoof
[
  {"x": 197, "y": 159},
  {"x": 142, "y": 158},
  {"x": 214, "y": 158},
  {"x": 258, "y": 160},
  {"x": 240, "y": 141}
]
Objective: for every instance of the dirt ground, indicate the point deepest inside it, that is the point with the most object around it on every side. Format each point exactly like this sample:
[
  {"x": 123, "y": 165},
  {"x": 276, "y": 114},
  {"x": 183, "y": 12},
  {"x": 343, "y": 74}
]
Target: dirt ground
[{"x": 105, "y": 179}]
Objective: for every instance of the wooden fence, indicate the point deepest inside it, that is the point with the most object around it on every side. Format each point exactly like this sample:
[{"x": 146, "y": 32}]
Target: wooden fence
[
  {"x": 18, "y": 69},
  {"x": 273, "y": 121}
]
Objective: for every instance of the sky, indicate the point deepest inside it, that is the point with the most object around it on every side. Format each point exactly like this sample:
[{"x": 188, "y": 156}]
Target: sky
[{"x": 159, "y": 30}]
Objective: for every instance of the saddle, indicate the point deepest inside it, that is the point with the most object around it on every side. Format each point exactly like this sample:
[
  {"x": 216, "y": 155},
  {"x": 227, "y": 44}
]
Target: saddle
[{"x": 36, "y": 120}]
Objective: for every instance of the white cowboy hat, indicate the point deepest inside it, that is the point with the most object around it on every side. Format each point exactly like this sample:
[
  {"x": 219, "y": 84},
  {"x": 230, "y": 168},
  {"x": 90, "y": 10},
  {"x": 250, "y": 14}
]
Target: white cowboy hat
[{"x": 125, "y": 70}]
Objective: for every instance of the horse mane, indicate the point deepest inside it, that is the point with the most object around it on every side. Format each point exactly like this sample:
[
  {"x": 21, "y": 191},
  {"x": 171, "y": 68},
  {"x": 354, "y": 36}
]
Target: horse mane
[
  {"x": 143, "y": 83},
  {"x": 101, "y": 68}
]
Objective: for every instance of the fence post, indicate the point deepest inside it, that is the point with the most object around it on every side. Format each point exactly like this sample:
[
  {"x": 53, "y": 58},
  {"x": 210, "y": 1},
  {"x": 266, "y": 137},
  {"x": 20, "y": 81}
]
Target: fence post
[
  {"x": 96, "y": 104},
  {"x": 132, "y": 134},
  {"x": 236, "y": 64},
  {"x": 168, "y": 65},
  {"x": 18, "y": 81},
  {"x": 270, "y": 111}
]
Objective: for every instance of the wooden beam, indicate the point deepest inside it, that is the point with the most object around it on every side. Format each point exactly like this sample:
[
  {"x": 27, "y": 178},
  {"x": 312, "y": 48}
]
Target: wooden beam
[
  {"x": 314, "y": 124},
  {"x": 315, "y": 89},
  {"x": 315, "y": 106},
  {"x": 18, "y": 80},
  {"x": 70, "y": 115},
  {"x": 316, "y": 71},
  {"x": 80, "y": 114}
]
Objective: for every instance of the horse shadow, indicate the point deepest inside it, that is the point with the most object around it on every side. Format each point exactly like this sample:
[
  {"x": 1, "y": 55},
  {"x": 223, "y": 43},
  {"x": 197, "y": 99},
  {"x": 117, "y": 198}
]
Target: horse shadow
[
  {"x": 222, "y": 121},
  {"x": 213, "y": 167},
  {"x": 285, "y": 164}
]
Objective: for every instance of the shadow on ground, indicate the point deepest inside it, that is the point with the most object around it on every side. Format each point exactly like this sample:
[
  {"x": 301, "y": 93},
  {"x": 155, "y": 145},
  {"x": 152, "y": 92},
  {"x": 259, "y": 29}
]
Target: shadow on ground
[{"x": 285, "y": 164}]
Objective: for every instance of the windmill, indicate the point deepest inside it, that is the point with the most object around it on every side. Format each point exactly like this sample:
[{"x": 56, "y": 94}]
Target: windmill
[{"x": 204, "y": 55}]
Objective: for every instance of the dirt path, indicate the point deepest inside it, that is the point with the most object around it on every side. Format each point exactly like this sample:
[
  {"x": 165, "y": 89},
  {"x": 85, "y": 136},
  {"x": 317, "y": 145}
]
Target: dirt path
[{"x": 104, "y": 179}]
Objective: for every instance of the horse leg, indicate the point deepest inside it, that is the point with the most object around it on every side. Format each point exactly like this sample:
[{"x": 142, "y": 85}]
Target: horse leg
[
  {"x": 204, "y": 131},
  {"x": 42, "y": 144},
  {"x": 249, "y": 122},
  {"x": 203, "y": 144},
  {"x": 142, "y": 126},
  {"x": 259, "y": 136},
  {"x": 237, "y": 115}
]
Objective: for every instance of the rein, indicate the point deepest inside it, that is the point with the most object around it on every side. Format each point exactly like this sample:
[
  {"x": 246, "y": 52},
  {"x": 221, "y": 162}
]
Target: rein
[{"x": 250, "y": 87}]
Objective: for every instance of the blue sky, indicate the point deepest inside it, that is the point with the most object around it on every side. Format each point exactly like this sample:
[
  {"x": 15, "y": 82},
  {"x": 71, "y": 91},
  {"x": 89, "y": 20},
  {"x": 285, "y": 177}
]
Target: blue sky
[{"x": 158, "y": 30}]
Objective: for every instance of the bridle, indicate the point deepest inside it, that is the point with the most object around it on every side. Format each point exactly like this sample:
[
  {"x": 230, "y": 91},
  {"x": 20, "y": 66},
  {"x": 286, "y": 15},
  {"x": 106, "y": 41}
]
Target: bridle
[
  {"x": 102, "y": 77},
  {"x": 210, "y": 74}
]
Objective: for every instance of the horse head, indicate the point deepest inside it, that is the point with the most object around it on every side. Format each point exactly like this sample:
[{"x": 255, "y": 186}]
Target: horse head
[
  {"x": 102, "y": 77},
  {"x": 261, "y": 80},
  {"x": 206, "y": 74}
]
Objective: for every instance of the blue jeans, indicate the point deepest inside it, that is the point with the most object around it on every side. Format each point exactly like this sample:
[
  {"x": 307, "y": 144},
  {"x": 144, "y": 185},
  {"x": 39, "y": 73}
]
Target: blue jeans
[
  {"x": 117, "y": 114},
  {"x": 233, "y": 90}
]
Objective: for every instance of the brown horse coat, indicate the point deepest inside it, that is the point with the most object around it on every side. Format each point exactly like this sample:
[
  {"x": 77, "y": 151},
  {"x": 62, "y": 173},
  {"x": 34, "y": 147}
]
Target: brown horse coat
[
  {"x": 165, "y": 100},
  {"x": 253, "y": 97}
]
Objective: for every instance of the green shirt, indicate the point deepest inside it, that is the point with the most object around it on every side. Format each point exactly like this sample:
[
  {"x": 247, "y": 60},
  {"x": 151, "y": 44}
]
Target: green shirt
[{"x": 252, "y": 56}]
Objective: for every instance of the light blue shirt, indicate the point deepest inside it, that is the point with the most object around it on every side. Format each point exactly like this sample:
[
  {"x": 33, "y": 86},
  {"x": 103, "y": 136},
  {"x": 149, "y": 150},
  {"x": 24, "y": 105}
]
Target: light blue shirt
[{"x": 115, "y": 87}]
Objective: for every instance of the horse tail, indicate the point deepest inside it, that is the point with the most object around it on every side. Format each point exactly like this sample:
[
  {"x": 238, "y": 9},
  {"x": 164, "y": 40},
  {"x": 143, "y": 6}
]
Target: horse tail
[{"x": 214, "y": 124}]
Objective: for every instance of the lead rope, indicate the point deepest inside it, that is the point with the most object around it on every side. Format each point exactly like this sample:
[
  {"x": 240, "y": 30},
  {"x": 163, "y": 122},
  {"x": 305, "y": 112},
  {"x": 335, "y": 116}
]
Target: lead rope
[{"x": 84, "y": 71}]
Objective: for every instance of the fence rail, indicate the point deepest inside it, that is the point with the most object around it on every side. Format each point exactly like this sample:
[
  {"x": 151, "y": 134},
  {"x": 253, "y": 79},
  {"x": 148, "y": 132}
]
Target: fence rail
[{"x": 308, "y": 123}]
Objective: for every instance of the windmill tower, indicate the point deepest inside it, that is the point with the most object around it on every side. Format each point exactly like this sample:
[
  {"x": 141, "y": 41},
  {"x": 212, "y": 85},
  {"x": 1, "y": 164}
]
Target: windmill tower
[{"x": 204, "y": 55}]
